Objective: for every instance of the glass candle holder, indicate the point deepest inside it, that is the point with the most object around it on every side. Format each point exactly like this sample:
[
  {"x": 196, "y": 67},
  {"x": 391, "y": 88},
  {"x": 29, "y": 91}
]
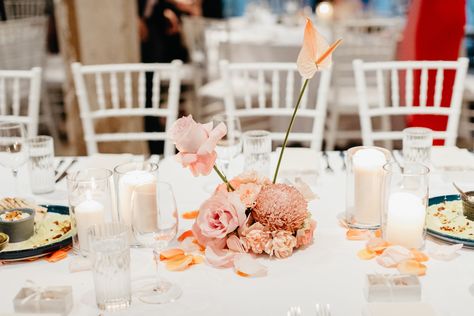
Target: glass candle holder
[
  {"x": 135, "y": 181},
  {"x": 257, "y": 150},
  {"x": 405, "y": 204},
  {"x": 91, "y": 202},
  {"x": 417, "y": 143},
  {"x": 364, "y": 186},
  {"x": 41, "y": 164}
]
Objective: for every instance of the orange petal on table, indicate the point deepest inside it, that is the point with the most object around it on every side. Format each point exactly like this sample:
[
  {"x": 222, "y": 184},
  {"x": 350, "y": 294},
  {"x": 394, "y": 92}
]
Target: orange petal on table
[
  {"x": 180, "y": 263},
  {"x": 377, "y": 245},
  {"x": 419, "y": 256},
  {"x": 358, "y": 234},
  {"x": 190, "y": 214},
  {"x": 198, "y": 259},
  {"x": 377, "y": 233},
  {"x": 201, "y": 247},
  {"x": 171, "y": 253},
  {"x": 245, "y": 265},
  {"x": 393, "y": 255},
  {"x": 57, "y": 255},
  {"x": 366, "y": 254},
  {"x": 186, "y": 234},
  {"x": 411, "y": 267}
]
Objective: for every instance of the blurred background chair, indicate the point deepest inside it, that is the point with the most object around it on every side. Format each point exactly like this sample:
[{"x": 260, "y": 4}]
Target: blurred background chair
[
  {"x": 14, "y": 107},
  {"x": 111, "y": 93},
  {"x": 274, "y": 96},
  {"x": 400, "y": 78}
]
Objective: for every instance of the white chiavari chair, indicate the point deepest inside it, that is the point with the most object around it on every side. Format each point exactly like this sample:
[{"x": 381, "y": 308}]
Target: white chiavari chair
[
  {"x": 14, "y": 107},
  {"x": 275, "y": 95},
  {"x": 113, "y": 101},
  {"x": 372, "y": 39},
  {"x": 400, "y": 99}
]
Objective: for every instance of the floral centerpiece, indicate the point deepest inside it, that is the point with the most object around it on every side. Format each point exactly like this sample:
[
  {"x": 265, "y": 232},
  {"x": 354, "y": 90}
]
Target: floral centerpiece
[{"x": 250, "y": 213}]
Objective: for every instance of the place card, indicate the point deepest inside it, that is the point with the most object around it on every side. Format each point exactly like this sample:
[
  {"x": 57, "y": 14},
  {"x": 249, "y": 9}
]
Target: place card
[
  {"x": 52, "y": 299},
  {"x": 392, "y": 288}
]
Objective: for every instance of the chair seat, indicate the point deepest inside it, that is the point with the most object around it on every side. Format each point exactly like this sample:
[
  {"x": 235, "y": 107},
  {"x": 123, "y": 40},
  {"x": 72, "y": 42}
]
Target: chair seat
[
  {"x": 216, "y": 89},
  {"x": 347, "y": 101}
]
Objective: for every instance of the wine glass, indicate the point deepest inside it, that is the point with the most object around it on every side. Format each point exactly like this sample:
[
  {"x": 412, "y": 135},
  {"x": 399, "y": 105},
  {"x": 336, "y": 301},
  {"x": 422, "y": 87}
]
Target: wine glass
[
  {"x": 230, "y": 145},
  {"x": 155, "y": 224},
  {"x": 13, "y": 148}
]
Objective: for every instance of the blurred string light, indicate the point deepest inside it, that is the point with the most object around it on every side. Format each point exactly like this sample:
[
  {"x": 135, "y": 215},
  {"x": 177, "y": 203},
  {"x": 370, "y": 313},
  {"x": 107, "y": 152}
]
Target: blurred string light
[{"x": 324, "y": 10}]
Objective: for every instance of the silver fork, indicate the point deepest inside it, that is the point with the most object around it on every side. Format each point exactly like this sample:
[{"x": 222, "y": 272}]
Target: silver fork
[
  {"x": 294, "y": 311},
  {"x": 328, "y": 166},
  {"x": 323, "y": 310}
]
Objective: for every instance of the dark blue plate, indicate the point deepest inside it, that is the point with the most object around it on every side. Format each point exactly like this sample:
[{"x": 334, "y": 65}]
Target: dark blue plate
[
  {"x": 449, "y": 238},
  {"x": 43, "y": 250}
]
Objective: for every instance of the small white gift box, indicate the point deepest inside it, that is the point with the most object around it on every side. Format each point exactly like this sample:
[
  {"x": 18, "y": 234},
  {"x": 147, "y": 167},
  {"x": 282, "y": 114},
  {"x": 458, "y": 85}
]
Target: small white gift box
[
  {"x": 52, "y": 299},
  {"x": 392, "y": 288}
]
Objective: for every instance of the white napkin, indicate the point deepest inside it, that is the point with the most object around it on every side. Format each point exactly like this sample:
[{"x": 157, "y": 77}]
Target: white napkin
[
  {"x": 451, "y": 158},
  {"x": 397, "y": 309}
]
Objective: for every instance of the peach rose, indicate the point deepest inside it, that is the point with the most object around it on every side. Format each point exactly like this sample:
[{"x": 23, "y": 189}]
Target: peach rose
[
  {"x": 257, "y": 238},
  {"x": 220, "y": 215},
  {"x": 282, "y": 244},
  {"x": 196, "y": 143}
]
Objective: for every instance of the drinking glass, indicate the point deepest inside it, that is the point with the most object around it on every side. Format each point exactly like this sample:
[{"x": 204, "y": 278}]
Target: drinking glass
[
  {"x": 230, "y": 145},
  {"x": 405, "y": 203},
  {"x": 257, "y": 149},
  {"x": 155, "y": 230},
  {"x": 13, "y": 148},
  {"x": 41, "y": 164},
  {"x": 417, "y": 143},
  {"x": 110, "y": 256}
]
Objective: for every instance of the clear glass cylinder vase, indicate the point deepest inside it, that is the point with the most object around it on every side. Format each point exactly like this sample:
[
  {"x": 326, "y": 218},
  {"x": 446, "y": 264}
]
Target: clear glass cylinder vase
[
  {"x": 405, "y": 204},
  {"x": 364, "y": 186}
]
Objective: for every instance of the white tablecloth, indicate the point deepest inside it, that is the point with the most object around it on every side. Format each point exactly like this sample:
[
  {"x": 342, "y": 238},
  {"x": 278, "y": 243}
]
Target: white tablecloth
[{"x": 328, "y": 271}]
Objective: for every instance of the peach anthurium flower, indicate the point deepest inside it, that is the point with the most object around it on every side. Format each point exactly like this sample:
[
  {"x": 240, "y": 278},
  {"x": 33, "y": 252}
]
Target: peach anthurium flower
[{"x": 315, "y": 53}]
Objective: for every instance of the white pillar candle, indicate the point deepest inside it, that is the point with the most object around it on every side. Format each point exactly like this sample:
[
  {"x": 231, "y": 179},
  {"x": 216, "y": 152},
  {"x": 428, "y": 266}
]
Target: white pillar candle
[
  {"x": 368, "y": 177},
  {"x": 141, "y": 186},
  {"x": 405, "y": 220},
  {"x": 87, "y": 213}
]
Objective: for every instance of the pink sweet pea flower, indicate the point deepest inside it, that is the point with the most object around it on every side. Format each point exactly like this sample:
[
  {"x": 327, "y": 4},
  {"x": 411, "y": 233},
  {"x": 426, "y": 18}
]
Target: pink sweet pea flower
[{"x": 196, "y": 144}]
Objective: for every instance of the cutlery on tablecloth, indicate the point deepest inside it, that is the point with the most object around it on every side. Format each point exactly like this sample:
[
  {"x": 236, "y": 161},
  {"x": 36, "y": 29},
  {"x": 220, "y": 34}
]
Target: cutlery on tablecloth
[
  {"x": 323, "y": 310},
  {"x": 56, "y": 171},
  {"x": 294, "y": 311},
  {"x": 328, "y": 166},
  {"x": 342, "y": 154},
  {"x": 64, "y": 174}
]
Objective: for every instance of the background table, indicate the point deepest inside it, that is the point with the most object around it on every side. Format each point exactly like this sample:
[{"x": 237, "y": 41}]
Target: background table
[{"x": 328, "y": 271}]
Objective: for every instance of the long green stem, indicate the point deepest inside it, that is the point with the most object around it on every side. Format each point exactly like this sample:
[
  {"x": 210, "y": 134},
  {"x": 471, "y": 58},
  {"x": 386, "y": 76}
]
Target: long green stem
[
  {"x": 303, "y": 88},
  {"x": 223, "y": 178}
]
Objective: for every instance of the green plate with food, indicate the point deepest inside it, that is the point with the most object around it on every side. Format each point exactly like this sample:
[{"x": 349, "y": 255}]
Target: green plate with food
[
  {"x": 52, "y": 229},
  {"x": 445, "y": 220}
]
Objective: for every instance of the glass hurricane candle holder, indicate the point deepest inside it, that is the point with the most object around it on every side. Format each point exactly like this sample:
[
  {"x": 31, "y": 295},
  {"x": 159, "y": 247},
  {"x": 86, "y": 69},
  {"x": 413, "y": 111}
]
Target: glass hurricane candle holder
[
  {"x": 91, "y": 202},
  {"x": 257, "y": 150},
  {"x": 364, "y": 182},
  {"x": 136, "y": 206},
  {"x": 405, "y": 204}
]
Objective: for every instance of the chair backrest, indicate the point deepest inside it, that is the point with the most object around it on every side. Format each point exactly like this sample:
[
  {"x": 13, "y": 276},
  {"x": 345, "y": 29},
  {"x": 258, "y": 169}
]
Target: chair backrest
[
  {"x": 20, "y": 9},
  {"x": 271, "y": 90},
  {"x": 402, "y": 76},
  {"x": 13, "y": 106},
  {"x": 105, "y": 91}
]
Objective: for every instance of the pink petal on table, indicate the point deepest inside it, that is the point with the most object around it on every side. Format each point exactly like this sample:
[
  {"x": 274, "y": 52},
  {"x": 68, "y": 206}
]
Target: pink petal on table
[
  {"x": 245, "y": 265},
  {"x": 393, "y": 255},
  {"x": 221, "y": 258},
  {"x": 445, "y": 252}
]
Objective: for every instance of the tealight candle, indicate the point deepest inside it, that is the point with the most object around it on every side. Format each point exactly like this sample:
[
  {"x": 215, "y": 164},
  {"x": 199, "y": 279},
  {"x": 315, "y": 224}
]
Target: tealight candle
[
  {"x": 88, "y": 213},
  {"x": 368, "y": 179},
  {"x": 405, "y": 220}
]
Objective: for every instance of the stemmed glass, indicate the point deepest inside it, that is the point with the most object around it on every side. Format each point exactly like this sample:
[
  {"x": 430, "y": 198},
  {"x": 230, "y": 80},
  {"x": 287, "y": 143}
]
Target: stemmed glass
[
  {"x": 230, "y": 145},
  {"x": 13, "y": 148},
  {"x": 155, "y": 230}
]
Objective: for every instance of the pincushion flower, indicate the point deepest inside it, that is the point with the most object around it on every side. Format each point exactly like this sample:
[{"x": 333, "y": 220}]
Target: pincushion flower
[
  {"x": 196, "y": 144},
  {"x": 282, "y": 244},
  {"x": 220, "y": 215}
]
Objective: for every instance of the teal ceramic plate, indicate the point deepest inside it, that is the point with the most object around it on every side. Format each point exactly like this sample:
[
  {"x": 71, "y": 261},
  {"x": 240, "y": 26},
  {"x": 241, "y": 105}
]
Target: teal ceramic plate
[
  {"x": 449, "y": 224},
  {"x": 45, "y": 249}
]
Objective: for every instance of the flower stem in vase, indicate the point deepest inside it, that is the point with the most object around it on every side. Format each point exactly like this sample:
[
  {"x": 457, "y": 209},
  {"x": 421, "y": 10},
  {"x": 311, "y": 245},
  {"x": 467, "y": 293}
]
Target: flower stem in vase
[
  {"x": 293, "y": 117},
  {"x": 224, "y": 179}
]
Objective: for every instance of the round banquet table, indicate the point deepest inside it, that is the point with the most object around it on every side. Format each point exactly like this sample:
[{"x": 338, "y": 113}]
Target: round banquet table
[{"x": 328, "y": 271}]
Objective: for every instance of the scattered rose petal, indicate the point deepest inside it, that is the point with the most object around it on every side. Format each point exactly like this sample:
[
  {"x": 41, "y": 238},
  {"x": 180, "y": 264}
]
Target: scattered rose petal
[
  {"x": 377, "y": 245},
  {"x": 170, "y": 253},
  {"x": 445, "y": 252},
  {"x": 342, "y": 220},
  {"x": 189, "y": 245},
  {"x": 358, "y": 234},
  {"x": 221, "y": 258},
  {"x": 201, "y": 247},
  {"x": 186, "y": 234},
  {"x": 179, "y": 263},
  {"x": 393, "y": 255},
  {"x": 198, "y": 259},
  {"x": 419, "y": 256},
  {"x": 57, "y": 255},
  {"x": 235, "y": 244},
  {"x": 411, "y": 267},
  {"x": 190, "y": 214},
  {"x": 366, "y": 254},
  {"x": 245, "y": 265}
]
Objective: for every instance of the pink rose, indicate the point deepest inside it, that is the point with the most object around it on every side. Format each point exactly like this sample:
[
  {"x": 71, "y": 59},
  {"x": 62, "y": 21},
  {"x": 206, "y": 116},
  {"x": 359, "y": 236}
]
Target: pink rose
[
  {"x": 220, "y": 215},
  {"x": 257, "y": 238},
  {"x": 282, "y": 244},
  {"x": 237, "y": 244},
  {"x": 304, "y": 235},
  {"x": 196, "y": 143}
]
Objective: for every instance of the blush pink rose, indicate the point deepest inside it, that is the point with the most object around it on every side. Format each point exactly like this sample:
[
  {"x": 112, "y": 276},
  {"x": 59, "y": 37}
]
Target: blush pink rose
[
  {"x": 196, "y": 144},
  {"x": 220, "y": 215},
  {"x": 282, "y": 244}
]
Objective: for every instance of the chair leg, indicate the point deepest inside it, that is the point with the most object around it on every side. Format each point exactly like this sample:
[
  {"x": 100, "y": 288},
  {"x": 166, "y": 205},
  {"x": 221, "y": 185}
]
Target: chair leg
[
  {"x": 386, "y": 127},
  {"x": 48, "y": 114},
  {"x": 332, "y": 129}
]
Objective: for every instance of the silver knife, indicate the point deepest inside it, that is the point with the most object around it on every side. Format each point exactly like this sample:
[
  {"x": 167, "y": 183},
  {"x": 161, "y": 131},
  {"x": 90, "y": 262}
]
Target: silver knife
[{"x": 64, "y": 174}]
